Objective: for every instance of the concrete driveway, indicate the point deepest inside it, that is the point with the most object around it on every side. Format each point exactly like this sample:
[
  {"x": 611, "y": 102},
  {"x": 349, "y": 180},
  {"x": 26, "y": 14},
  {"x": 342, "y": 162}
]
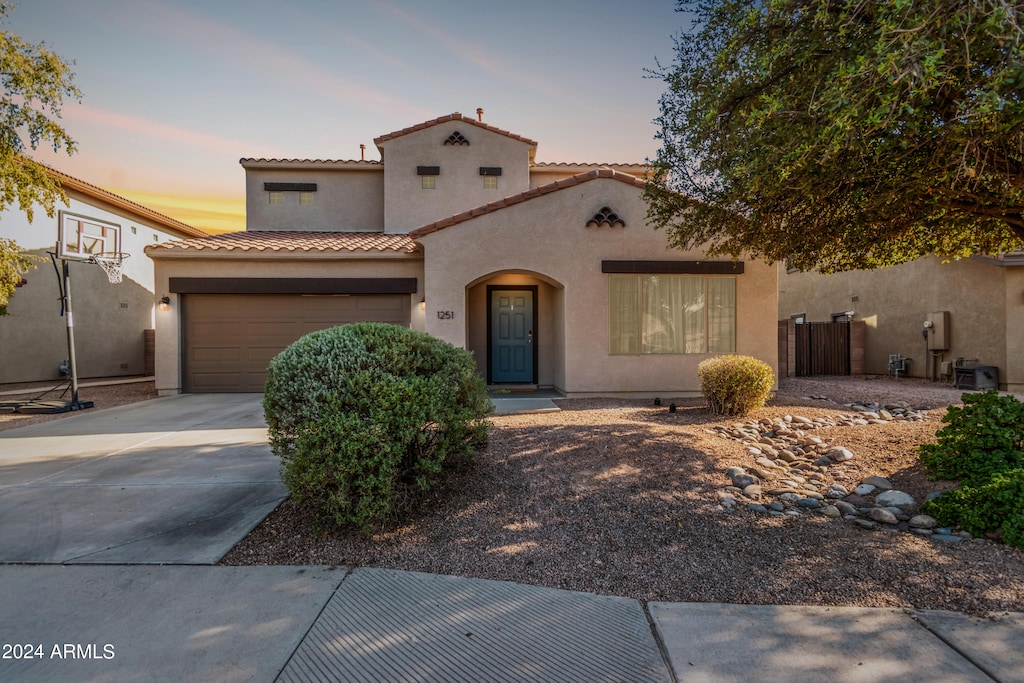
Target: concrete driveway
[{"x": 176, "y": 480}]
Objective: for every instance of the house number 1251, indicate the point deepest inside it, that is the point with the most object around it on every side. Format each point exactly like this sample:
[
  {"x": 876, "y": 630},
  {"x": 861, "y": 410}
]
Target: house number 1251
[{"x": 446, "y": 315}]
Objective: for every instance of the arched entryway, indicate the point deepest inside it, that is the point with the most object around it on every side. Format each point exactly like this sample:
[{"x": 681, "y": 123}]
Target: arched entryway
[{"x": 516, "y": 329}]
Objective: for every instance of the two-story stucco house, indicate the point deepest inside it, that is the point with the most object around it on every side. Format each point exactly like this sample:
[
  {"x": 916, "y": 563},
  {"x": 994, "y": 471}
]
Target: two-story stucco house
[
  {"x": 546, "y": 272},
  {"x": 112, "y": 320}
]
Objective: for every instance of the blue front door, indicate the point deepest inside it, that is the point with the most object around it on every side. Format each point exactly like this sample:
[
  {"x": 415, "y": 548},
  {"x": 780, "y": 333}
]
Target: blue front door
[{"x": 512, "y": 335}]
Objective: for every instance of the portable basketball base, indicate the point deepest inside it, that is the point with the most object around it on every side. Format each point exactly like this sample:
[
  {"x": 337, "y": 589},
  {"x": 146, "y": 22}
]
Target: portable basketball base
[{"x": 111, "y": 264}]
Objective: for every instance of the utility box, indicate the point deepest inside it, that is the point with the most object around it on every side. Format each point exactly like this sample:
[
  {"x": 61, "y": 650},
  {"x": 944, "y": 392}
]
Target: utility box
[{"x": 938, "y": 331}]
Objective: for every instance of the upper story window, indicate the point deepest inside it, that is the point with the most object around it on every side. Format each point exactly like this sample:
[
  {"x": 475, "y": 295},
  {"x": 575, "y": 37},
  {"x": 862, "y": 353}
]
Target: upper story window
[
  {"x": 428, "y": 176},
  {"x": 275, "y": 191},
  {"x": 490, "y": 175},
  {"x": 81, "y": 236}
]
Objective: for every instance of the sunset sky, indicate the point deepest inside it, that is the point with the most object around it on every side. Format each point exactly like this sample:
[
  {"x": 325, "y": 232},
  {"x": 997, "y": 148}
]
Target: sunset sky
[{"x": 175, "y": 92}]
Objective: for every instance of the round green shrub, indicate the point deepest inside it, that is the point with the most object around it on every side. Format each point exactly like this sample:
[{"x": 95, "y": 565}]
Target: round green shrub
[
  {"x": 994, "y": 506},
  {"x": 983, "y": 437},
  {"x": 735, "y": 385},
  {"x": 364, "y": 416}
]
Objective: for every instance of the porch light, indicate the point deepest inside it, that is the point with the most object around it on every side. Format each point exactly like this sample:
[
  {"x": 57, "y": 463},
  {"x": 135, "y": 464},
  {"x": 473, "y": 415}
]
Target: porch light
[
  {"x": 423, "y": 304},
  {"x": 165, "y": 303}
]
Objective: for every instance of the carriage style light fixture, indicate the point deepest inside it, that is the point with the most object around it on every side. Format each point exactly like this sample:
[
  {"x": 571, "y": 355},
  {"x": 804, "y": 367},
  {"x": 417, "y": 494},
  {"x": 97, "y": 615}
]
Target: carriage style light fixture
[{"x": 165, "y": 303}]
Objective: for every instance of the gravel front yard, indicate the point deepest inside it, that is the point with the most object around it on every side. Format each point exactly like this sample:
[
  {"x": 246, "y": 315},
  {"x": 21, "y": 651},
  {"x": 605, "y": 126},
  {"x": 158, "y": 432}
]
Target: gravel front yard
[{"x": 619, "y": 497}]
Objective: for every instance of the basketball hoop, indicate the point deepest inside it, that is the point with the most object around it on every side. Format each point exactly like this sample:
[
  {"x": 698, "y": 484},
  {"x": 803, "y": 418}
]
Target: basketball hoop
[{"x": 112, "y": 263}]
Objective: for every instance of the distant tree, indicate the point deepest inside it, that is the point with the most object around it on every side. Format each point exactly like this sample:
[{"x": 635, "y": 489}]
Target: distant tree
[
  {"x": 35, "y": 82},
  {"x": 13, "y": 264},
  {"x": 843, "y": 134}
]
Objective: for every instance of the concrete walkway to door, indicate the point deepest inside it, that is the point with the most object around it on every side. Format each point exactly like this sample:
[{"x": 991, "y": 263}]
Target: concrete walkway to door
[{"x": 175, "y": 480}]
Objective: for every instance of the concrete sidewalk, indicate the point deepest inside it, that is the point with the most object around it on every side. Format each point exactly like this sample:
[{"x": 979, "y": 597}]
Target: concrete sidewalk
[
  {"x": 111, "y": 522},
  {"x": 187, "y": 623}
]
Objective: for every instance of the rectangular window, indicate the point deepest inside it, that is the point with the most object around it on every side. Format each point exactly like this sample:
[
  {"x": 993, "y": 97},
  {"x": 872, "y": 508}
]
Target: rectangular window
[
  {"x": 672, "y": 314},
  {"x": 275, "y": 197},
  {"x": 490, "y": 182},
  {"x": 83, "y": 236},
  {"x": 306, "y": 198},
  {"x": 428, "y": 182}
]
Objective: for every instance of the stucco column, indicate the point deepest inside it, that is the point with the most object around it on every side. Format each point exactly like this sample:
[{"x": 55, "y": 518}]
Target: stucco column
[{"x": 445, "y": 304}]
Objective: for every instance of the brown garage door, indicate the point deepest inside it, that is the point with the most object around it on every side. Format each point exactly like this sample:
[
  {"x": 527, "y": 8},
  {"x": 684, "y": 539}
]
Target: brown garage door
[{"x": 229, "y": 339}]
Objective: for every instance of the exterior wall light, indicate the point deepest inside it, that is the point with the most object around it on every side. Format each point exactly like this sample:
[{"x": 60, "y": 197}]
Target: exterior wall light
[
  {"x": 423, "y": 304},
  {"x": 165, "y": 303}
]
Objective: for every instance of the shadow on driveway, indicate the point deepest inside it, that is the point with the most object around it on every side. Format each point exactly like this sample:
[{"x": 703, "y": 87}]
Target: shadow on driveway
[{"x": 176, "y": 480}]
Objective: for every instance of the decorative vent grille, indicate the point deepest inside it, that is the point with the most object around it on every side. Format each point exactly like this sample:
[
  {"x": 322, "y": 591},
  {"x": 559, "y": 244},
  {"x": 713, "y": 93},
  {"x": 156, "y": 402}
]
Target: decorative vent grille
[
  {"x": 456, "y": 138},
  {"x": 606, "y": 217}
]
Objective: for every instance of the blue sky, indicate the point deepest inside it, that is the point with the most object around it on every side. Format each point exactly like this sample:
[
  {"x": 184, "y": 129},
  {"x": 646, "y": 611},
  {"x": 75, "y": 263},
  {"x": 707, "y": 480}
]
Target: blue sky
[{"x": 175, "y": 92}]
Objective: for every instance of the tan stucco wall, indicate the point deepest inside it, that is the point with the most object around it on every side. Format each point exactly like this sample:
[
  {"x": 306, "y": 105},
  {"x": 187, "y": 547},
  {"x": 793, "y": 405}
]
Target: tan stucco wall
[
  {"x": 984, "y": 310},
  {"x": 546, "y": 236},
  {"x": 168, "y": 323},
  {"x": 109, "y": 318},
  {"x": 346, "y": 199},
  {"x": 459, "y": 185}
]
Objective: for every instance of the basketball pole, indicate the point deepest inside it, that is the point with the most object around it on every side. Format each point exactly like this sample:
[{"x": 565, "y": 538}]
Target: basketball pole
[{"x": 70, "y": 325}]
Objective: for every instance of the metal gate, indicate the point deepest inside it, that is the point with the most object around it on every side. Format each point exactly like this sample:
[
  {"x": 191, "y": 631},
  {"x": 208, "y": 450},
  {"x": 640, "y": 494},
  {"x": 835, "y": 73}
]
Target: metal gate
[{"x": 822, "y": 349}]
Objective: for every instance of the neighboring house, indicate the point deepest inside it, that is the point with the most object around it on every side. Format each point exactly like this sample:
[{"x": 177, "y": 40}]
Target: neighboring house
[
  {"x": 974, "y": 309},
  {"x": 547, "y": 273},
  {"x": 111, "y": 320}
]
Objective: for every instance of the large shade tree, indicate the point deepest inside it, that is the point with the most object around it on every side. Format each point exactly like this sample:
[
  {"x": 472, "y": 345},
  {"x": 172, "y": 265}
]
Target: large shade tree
[
  {"x": 842, "y": 134},
  {"x": 33, "y": 85}
]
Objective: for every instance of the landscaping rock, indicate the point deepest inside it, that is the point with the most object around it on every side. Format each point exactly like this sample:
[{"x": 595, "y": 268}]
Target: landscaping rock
[
  {"x": 895, "y": 498},
  {"x": 923, "y": 522},
  {"x": 879, "y": 483},
  {"x": 882, "y": 515}
]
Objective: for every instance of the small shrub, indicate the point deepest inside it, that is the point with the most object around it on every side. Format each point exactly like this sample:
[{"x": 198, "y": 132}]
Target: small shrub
[
  {"x": 995, "y": 506},
  {"x": 982, "y": 438},
  {"x": 364, "y": 416},
  {"x": 982, "y": 444},
  {"x": 735, "y": 385}
]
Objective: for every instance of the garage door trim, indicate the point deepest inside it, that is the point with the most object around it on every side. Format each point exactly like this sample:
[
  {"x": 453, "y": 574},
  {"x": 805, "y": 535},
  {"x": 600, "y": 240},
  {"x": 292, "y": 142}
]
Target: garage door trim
[{"x": 275, "y": 285}]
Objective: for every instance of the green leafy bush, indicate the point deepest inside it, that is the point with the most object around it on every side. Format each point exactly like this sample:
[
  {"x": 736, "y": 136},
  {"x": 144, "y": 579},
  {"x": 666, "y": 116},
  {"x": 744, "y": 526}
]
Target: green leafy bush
[
  {"x": 983, "y": 437},
  {"x": 735, "y": 385},
  {"x": 364, "y": 416},
  {"x": 995, "y": 506},
  {"x": 982, "y": 444}
]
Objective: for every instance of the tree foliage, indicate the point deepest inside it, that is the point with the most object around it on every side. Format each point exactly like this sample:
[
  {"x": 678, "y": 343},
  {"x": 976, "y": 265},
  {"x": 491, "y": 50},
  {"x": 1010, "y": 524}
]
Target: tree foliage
[
  {"x": 35, "y": 82},
  {"x": 13, "y": 264},
  {"x": 842, "y": 134}
]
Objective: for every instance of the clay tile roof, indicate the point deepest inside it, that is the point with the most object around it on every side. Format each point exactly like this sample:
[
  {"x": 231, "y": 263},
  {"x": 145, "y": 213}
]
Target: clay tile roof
[
  {"x": 244, "y": 161},
  {"x": 526, "y": 196},
  {"x": 290, "y": 242},
  {"x": 88, "y": 189},
  {"x": 444, "y": 119}
]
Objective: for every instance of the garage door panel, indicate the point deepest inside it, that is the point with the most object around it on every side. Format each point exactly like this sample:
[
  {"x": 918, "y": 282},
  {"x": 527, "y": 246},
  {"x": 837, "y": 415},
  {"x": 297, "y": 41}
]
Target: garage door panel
[
  {"x": 214, "y": 355},
  {"x": 229, "y": 340}
]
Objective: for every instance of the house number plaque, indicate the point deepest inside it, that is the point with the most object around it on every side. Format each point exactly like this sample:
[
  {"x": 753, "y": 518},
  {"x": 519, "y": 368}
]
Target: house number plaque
[{"x": 446, "y": 315}]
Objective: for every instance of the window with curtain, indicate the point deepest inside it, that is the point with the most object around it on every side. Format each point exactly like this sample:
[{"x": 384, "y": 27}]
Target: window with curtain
[{"x": 672, "y": 314}]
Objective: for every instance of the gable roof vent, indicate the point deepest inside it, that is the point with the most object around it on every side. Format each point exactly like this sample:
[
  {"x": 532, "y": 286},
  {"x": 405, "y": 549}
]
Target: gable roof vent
[
  {"x": 606, "y": 217},
  {"x": 456, "y": 138}
]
